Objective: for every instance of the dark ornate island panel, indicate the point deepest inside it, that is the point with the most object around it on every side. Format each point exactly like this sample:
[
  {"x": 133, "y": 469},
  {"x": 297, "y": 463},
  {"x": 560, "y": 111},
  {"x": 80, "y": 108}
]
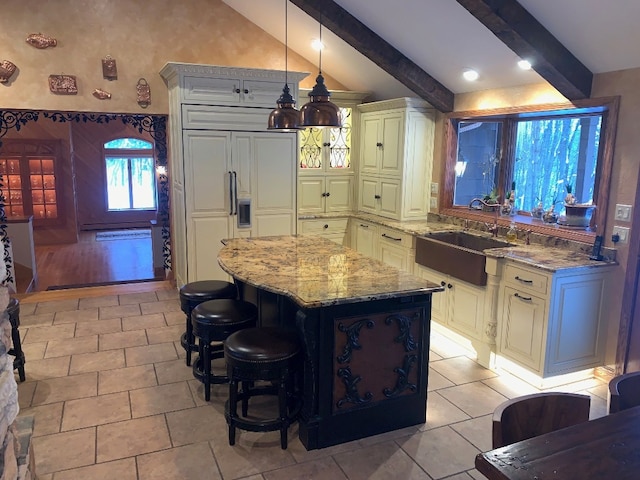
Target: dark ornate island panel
[{"x": 365, "y": 369}]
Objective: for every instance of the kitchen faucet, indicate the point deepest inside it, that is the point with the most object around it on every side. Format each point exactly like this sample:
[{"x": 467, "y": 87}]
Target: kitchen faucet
[{"x": 493, "y": 229}]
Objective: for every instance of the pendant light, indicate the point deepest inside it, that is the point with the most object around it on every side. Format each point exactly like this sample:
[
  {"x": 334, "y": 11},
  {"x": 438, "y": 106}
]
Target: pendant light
[
  {"x": 285, "y": 117},
  {"x": 320, "y": 112}
]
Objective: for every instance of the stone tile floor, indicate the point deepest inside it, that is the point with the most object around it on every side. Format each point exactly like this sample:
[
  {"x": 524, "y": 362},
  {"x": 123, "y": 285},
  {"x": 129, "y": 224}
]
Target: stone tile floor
[{"x": 112, "y": 398}]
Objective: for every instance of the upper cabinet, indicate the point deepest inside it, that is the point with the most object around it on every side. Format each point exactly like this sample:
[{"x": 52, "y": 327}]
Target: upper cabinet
[
  {"x": 396, "y": 158},
  {"x": 231, "y": 90},
  {"x": 326, "y": 160}
]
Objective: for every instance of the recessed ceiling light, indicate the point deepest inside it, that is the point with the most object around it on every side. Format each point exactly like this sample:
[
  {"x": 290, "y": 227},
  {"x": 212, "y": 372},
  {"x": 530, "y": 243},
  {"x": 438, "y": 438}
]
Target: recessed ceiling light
[
  {"x": 470, "y": 75},
  {"x": 524, "y": 65},
  {"x": 317, "y": 45}
]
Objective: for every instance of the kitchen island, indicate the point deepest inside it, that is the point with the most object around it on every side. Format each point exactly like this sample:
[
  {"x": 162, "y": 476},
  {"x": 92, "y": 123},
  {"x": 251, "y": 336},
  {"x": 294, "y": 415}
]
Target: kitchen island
[{"x": 365, "y": 327}]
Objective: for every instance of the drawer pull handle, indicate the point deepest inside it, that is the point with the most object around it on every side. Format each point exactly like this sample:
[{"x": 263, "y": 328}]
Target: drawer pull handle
[
  {"x": 529, "y": 282},
  {"x": 391, "y": 238},
  {"x": 364, "y": 226},
  {"x": 526, "y": 299}
]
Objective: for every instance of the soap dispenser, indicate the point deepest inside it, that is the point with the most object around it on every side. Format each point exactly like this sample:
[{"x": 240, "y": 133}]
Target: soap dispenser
[{"x": 512, "y": 233}]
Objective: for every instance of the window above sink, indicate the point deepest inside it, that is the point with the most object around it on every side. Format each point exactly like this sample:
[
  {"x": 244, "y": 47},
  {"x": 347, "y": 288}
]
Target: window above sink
[{"x": 534, "y": 153}]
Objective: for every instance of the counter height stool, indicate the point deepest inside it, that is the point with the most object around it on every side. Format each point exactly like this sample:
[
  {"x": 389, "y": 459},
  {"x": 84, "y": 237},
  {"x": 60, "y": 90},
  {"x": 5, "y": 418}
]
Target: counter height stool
[
  {"x": 214, "y": 321},
  {"x": 13, "y": 310},
  {"x": 194, "y": 293},
  {"x": 269, "y": 354}
]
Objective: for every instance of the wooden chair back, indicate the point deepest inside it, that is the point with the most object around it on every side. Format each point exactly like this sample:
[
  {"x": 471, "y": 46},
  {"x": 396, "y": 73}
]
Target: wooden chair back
[
  {"x": 624, "y": 392},
  {"x": 532, "y": 415}
]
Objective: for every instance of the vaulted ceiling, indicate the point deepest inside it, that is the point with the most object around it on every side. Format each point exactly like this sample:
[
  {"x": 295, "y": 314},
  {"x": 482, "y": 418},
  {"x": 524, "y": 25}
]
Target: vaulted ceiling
[{"x": 420, "y": 47}]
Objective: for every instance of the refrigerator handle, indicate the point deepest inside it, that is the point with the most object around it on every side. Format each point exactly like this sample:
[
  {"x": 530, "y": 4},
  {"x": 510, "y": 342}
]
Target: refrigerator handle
[
  {"x": 235, "y": 192},
  {"x": 230, "y": 193}
]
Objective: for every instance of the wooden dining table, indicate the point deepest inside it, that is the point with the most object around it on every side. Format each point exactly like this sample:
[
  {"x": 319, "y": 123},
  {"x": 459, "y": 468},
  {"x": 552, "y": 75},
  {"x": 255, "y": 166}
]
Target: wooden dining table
[{"x": 604, "y": 448}]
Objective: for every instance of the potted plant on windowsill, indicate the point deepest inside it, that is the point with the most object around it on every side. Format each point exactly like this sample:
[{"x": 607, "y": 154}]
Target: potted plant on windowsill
[{"x": 490, "y": 202}]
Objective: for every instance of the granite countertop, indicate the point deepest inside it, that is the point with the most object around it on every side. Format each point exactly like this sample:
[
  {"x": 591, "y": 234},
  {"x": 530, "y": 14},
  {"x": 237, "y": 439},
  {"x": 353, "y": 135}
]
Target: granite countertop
[
  {"x": 316, "y": 272},
  {"x": 543, "y": 256}
]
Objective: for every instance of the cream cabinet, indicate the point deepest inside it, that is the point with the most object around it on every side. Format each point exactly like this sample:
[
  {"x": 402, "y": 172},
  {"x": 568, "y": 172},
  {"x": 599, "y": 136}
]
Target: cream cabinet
[
  {"x": 326, "y": 161},
  {"x": 551, "y": 323},
  {"x": 229, "y": 176},
  {"x": 323, "y": 194},
  {"x": 396, "y": 158},
  {"x": 364, "y": 237},
  {"x": 459, "y": 307},
  {"x": 334, "y": 229}
]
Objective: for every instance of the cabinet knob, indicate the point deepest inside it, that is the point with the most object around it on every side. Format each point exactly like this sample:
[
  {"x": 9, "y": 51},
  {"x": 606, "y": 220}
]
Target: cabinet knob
[
  {"x": 237, "y": 90},
  {"x": 246, "y": 91},
  {"x": 443, "y": 283},
  {"x": 326, "y": 144},
  {"x": 328, "y": 194},
  {"x": 377, "y": 197},
  {"x": 449, "y": 285},
  {"x": 326, "y": 226},
  {"x": 379, "y": 144}
]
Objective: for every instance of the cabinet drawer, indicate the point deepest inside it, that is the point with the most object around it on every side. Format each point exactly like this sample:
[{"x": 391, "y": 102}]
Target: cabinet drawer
[
  {"x": 526, "y": 279},
  {"x": 396, "y": 237},
  {"x": 204, "y": 117},
  {"x": 328, "y": 226}
]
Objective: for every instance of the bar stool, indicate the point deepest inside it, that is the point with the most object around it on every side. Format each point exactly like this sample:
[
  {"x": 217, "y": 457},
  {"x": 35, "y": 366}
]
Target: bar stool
[
  {"x": 13, "y": 309},
  {"x": 194, "y": 293},
  {"x": 214, "y": 321},
  {"x": 269, "y": 354}
]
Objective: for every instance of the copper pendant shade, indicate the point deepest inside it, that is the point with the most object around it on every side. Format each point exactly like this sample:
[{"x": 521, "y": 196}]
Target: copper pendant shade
[
  {"x": 320, "y": 111},
  {"x": 285, "y": 117}
]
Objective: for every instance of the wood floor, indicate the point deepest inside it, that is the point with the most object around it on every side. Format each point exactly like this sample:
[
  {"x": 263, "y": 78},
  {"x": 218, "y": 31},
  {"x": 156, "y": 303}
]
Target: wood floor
[{"x": 93, "y": 262}]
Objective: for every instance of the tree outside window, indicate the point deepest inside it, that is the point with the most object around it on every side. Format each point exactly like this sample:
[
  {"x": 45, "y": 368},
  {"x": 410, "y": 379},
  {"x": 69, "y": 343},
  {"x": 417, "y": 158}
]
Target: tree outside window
[
  {"x": 130, "y": 174},
  {"x": 539, "y": 152}
]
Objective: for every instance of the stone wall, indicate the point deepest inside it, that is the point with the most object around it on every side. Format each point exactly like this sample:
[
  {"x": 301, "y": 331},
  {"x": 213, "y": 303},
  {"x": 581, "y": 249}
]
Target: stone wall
[{"x": 16, "y": 459}]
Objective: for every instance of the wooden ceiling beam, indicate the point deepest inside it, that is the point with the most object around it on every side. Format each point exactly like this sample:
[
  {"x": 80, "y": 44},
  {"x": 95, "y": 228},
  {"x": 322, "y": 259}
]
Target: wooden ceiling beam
[
  {"x": 530, "y": 40},
  {"x": 376, "y": 49}
]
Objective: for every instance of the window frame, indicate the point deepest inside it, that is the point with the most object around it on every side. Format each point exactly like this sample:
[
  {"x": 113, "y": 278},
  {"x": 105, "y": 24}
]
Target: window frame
[
  {"x": 609, "y": 107},
  {"x": 129, "y": 154}
]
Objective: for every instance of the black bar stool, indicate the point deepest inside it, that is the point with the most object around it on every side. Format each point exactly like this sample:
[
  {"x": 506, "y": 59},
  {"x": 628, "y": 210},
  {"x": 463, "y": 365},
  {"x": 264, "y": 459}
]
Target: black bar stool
[
  {"x": 13, "y": 309},
  {"x": 269, "y": 354},
  {"x": 214, "y": 321},
  {"x": 194, "y": 293}
]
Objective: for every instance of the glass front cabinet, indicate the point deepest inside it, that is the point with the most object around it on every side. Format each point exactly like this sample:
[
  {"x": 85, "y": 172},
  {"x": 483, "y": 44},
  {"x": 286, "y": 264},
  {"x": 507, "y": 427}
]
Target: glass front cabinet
[
  {"x": 30, "y": 184},
  {"x": 326, "y": 180}
]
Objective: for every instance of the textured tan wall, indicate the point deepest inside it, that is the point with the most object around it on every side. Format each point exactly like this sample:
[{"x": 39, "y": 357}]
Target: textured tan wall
[{"x": 142, "y": 35}]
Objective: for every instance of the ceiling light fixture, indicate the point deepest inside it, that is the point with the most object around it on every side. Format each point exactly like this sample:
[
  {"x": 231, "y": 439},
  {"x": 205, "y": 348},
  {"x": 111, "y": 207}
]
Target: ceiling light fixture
[
  {"x": 319, "y": 111},
  {"x": 285, "y": 116},
  {"x": 524, "y": 65},
  {"x": 470, "y": 75},
  {"x": 317, "y": 44}
]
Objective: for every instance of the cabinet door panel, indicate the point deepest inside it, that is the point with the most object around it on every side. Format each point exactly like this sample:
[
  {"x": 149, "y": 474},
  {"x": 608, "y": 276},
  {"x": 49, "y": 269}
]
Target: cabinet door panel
[
  {"x": 211, "y": 90},
  {"x": 205, "y": 241},
  {"x": 340, "y": 192},
  {"x": 522, "y": 328},
  {"x": 275, "y": 174},
  {"x": 260, "y": 93},
  {"x": 389, "y": 198},
  {"x": 370, "y": 150},
  {"x": 368, "y": 192},
  {"x": 206, "y": 171},
  {"x": 392, "y": 144},
  {"x": 366, "y": 236},
  {"x": 439, "y": 299},
  {"x": 274, "y": 224},
  {"x": 310, "y": 197},
  {"x": 467, "y": 309},
  {"x": 393, "y": 255}
]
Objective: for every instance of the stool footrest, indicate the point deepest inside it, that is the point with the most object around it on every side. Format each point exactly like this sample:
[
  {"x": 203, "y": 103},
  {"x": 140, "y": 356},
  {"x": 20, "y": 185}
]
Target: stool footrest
[{"x": 183, "y": 341}]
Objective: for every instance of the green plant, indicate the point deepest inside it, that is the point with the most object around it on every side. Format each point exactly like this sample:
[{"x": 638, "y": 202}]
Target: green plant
[{"x": 491, "y": 197}]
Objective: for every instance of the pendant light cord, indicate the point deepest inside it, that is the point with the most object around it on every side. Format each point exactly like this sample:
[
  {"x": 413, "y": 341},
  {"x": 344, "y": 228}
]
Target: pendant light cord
[
  {"x": 286, "y": 42},
  {"x": 321, "y": 47}
]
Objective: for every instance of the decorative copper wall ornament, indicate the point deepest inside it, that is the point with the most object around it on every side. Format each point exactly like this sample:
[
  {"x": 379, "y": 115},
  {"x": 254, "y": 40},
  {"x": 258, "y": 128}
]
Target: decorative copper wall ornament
[
  {"x": 63, "y": 84},
  {"x": 39, "y": 40},
  {"x": 109, "y": 68},
  {"x": 7, "y": 69},
  {"x": 144, "y": 93},
  {"x": 101, "y": 94}
]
